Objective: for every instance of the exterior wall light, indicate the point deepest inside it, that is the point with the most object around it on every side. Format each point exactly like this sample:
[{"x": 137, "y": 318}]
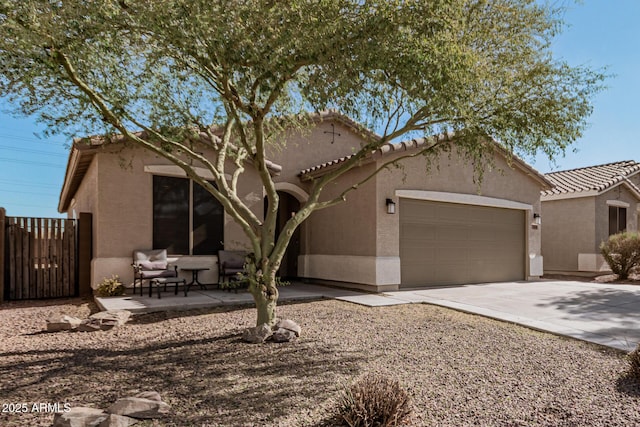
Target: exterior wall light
[
  {"x": 537, "y": 219},
  {"x": 391, "y": 207}
]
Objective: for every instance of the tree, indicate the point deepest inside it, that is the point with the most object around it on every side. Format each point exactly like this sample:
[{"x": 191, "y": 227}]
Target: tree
[{"x": 169, "y": 75}]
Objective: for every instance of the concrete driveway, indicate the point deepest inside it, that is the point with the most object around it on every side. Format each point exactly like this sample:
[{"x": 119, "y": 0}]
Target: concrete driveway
[{"x": 606, "y": 314}]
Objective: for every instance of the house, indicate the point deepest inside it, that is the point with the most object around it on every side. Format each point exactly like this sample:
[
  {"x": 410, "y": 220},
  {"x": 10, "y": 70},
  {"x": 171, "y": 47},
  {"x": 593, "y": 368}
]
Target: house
[
  {"x": 401, "y": 228},
  {"x": 584, "y": 208}
]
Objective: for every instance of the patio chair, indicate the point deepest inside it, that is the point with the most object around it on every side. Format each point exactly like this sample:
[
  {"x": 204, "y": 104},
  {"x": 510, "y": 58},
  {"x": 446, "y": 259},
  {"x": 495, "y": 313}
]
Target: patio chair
[
  {"x": 230, "y": 263},
  {"x": 149, "y": 265}
]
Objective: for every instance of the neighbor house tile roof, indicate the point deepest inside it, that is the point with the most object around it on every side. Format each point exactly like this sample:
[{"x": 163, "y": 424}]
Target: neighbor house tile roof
[{"x": 592, "y": 180}]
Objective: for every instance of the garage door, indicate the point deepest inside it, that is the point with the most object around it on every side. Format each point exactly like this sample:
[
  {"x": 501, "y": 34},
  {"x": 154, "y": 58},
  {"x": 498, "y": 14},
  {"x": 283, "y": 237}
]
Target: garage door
[{"x": 450, "y": 243}]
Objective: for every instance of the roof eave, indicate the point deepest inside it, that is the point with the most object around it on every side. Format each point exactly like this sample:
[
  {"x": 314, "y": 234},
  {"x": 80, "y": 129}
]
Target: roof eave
[
  {"x": 72, "y": 165},
  {"x": 588, "y": 193}
]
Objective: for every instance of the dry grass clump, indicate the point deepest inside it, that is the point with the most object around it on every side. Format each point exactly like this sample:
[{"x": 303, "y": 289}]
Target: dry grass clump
[{"x": 374, "y": 401}]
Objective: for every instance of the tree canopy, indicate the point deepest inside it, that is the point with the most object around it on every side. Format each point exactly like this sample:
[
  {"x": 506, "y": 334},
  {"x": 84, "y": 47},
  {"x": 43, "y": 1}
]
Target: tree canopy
[{"x": 175, "y": 68}]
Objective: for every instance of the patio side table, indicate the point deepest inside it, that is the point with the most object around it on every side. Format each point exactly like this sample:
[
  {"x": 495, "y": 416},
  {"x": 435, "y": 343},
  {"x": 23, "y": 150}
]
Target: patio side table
[{"x": 194, "y": 275}]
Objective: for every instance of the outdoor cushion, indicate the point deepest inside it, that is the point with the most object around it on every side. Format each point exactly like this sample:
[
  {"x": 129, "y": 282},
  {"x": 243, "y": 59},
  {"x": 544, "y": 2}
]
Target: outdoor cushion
[
  {"x": 152, "y": 265},
  {"x": 150, "y": 255},
  {"x": 151, "y": 274}
]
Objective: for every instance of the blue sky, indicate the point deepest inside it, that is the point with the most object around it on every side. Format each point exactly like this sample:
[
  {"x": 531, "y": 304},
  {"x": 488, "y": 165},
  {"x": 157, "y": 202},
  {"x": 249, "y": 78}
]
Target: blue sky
[{"x": 599, "y": 34}]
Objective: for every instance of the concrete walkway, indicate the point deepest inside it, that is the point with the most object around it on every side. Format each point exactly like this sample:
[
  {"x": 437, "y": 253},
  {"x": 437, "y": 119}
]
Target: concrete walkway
[{"x": 604, "y": 314}]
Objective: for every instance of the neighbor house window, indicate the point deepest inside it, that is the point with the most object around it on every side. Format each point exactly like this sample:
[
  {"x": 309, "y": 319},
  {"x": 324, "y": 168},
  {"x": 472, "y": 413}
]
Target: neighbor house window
[
  {"x": 187, "y": 219},
  {"x": 617, "y": 219}
]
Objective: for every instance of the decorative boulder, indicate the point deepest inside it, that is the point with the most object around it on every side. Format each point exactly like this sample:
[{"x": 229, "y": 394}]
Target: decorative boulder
[
  {"x": 89, "y": 325},
  {"x": 115, "y": 420},
  {"x": 62, "y": 323},
  {"x": 151, "y": 395},
  {"x": 120, "y": 317},
  {"x": 257, "y": 334},
  {"x": 283, "y": 335},
  {"x": 290, "y": 325},
  {"x": 80, "y": 416},
  {"x": 139, "y": 407}
]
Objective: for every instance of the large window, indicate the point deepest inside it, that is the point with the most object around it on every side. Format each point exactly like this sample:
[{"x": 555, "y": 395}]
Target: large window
[
  {"x": 617, "y": 219},
  {"x": 187, "y": 219}
]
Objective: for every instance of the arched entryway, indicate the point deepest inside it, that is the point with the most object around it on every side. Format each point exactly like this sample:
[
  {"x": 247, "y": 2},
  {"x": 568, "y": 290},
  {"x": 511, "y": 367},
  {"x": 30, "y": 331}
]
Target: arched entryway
[{"x": 289, "y": 205}]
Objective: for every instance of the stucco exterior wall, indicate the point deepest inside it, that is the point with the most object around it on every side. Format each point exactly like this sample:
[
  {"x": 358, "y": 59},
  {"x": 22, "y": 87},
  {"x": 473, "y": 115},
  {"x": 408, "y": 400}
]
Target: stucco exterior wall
[
  {"x": 348, "y": 228},
  {"x": 567, "y": 230},
  {"x": 119, "y": 194},
  {"x": 310, "y": 147},
  {"x": 342, "y": 239},
  {"x": 86, "y": 199}
]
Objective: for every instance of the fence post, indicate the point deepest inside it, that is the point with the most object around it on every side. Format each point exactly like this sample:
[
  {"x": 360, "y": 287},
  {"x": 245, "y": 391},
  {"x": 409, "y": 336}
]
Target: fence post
[
  {"x": 85, "y": 253},
  {"x": 3, "y": 215}
]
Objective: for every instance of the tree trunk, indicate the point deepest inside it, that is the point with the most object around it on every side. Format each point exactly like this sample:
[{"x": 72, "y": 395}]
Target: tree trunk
[
  {"x": 266, "y": 310},
  {"x": 265, "y": 294}
]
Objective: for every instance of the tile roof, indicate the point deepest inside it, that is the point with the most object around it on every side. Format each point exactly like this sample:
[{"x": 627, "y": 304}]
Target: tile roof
[
  {"x": 397, "y": 147},
  {"x": 389, "y": 147},
  {"x": 592, "y": 179}
]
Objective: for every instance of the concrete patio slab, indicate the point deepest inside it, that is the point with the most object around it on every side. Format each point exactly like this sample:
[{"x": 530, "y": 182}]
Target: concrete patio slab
[{"x": 198, "y": 298}]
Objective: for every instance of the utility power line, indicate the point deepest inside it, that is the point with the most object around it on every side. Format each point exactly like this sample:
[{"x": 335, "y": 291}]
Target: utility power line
[
  {"x": 29, "y": 162},
  {"x": 29, "y": 192},
  {"x": 23, "y": 184},
  {"x": 27, "y": 139},
  {"x": 28, "y": 150}
]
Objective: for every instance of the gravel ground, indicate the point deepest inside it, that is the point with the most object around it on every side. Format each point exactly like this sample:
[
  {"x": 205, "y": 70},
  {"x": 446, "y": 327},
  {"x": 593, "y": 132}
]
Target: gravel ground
[{"x": 460, "y": 369}]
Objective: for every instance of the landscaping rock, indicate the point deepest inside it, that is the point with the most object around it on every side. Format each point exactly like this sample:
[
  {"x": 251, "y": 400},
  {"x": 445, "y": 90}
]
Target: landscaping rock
[
  {"x": 89, "y": 325},
  {"x": 102, "y": 321},
  {"x": 283, "y": 335},
  {"x": 257, "y": 334},
  {"x": 80, "y": 416},
  {"x": 120, "y": 317},
  {"x": 115, "y": 420},
  {"x": 151, "y": 395},
  {"x": 290, "y": 325},
  {"x": 62, "y": 323},
  {"x": 138, "y": 407}
]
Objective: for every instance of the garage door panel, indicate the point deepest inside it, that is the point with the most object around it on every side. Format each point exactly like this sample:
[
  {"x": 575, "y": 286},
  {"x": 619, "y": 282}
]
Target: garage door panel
[
  {"x": 419, "y": 232},
  {"x": 447, "y": 243}
]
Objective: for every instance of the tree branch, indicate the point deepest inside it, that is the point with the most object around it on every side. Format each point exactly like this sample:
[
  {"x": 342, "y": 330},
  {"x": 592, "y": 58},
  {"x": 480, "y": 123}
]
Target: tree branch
[
  {"x": 342, "y": 196},
  {"x": 231, "y": 202}
]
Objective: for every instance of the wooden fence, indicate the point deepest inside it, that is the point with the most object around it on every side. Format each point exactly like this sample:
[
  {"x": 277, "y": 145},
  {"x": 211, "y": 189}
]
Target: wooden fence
[{"x": 40, "y": 258}]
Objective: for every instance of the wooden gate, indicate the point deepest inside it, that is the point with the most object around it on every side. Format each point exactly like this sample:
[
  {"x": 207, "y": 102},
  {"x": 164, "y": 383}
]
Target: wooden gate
[{"x": 40, "y": 258}]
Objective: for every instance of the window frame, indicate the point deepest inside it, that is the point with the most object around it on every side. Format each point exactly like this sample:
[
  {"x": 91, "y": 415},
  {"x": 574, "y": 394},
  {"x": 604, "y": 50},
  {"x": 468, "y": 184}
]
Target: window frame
[
  {"x": 617, "y": 217},
  {"x": 190, "y": 220}
]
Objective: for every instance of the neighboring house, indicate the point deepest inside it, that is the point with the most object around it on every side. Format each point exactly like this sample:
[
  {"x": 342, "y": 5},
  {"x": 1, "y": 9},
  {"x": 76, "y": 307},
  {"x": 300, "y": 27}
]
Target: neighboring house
[
  {"x": 585, "y": 207},
  {"x": 445, "y": 229}
]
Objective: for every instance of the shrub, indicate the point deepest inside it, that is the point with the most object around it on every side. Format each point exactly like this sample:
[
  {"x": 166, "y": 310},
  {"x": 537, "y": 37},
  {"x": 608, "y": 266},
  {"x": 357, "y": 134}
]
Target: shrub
[
  {"x": 622, "y": 253},
  {"x": 374, "y": 400},
  {"x": 110, "y": 287},
  {"x": 634, "y": 363}
]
